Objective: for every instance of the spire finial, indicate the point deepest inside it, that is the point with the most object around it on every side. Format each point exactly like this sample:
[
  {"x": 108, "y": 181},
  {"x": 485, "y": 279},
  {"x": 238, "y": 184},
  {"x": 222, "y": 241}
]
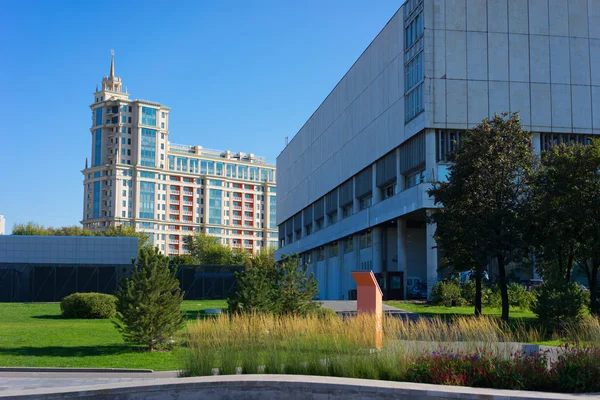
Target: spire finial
[{"x": 112, "y": 64}]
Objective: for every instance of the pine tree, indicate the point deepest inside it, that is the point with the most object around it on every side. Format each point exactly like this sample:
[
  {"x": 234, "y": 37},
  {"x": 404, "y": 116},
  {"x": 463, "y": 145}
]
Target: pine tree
[{"x": 149, "y": 303}]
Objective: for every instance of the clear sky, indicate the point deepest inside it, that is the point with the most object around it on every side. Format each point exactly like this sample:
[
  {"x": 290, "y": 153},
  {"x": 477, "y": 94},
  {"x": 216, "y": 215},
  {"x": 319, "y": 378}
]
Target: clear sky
[{"x": 238, "y": 75}]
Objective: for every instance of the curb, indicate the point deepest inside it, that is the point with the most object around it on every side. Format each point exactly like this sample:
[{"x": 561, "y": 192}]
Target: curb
[{"x": 93, "y": 370}]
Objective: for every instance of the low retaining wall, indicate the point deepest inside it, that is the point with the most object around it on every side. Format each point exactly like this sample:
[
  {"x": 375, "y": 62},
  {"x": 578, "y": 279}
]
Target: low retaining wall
[{"x": 290, "y": 387}]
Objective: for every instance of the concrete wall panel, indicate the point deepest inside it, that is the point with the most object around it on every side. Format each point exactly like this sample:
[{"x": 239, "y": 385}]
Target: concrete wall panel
[
  {"x": 559, "y": 60},
  {"x": 439, "y": 106},
  {"x": 541, "y": 106},
  {"x": 499, "y": 98},
  {"x": 539, "y": 56},
  {"x": 498, "y": 55},
  {"x": 582, "y": 107},
  {"x": 595, "y": 61},
  {"x": 497, "y": 16},
  {"x": 456, "y": 16},
  {"x": 561, "y": 107},
  {"x": 478, "y": 101},
  {"x": 578, "y": 18},
  {"x": 477, "y": 56},
  {"x": 456, "y": 101},
  {"x": 519, "y": 58},
  {"x": 477, "y": 15},
  {"x": 594, "y": 19},
  {"x": 519, "y": 101},
  {"x": 538, "y": 17},
  {"x": 518, "y": 16},
  {"x": 559, "y": 17},
  {"x": 596, "y": 108},
  {"x": 580, "y": 61},
  {"x": 456, "y": 55}
]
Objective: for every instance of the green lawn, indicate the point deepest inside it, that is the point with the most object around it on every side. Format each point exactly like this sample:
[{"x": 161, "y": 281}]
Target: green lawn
[
  {"x": 441, "y": 311},
  {"x": 35, "y": 335}
]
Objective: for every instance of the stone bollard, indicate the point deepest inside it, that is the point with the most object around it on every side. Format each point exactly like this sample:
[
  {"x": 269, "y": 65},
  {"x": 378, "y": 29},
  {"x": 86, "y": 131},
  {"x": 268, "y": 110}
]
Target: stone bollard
[{"x": 531, "y": 349}]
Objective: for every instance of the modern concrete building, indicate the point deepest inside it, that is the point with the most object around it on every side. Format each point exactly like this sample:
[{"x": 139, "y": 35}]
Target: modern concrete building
[
  {"x": 138, "y": 177},
  {"x": 2, "y": 225},
  {"x": 48, "y": 268},
  {"x": 352, "y": 185}
]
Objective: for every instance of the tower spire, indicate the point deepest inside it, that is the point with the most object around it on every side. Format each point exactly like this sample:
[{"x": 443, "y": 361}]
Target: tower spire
[{"x": 112, "y": 64}]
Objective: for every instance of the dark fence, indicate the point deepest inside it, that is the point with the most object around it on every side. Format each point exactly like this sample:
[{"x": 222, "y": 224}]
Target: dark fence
[{"x": 22, "y": 282}]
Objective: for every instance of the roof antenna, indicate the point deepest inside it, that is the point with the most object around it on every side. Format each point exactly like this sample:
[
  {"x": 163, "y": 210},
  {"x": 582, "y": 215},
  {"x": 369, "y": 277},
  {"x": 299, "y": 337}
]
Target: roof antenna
[{"x": 286, "y": 140}]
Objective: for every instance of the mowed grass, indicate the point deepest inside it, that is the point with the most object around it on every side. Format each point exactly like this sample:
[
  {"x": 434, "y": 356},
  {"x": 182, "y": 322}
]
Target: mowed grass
[
  {"x": 445, "y": 312},
  {"x": 35, "y": 335}
]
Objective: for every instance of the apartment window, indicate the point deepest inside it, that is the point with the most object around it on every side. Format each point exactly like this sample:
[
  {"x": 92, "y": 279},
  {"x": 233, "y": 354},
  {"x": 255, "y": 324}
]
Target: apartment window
[
  {"x": 128, "y": 130},
  {"x": 333, "y": 249},
  {"x": 149, "y": 116},
  {"x": 130, "y": 108},
  {"x": 123, "y": 119},
  {"x": 415, "y": 179},
  {"x": 413, "y": 103},
  {"x": 321, "y": 253},
  {"x": 129, "y": 119},
  {"x": 162, "y": 135},
  {"x": 319, "y": 225},
  {"x": 162, "y": 125},
  {"x": 365, "y": 202},
  {"x": 333, "y": 218},
  {"x": 347, "y": 211},
  {"x": 365, "y": 240},
  {"x": 413, "y": 31},
  {"x": 308, "y": 230},
  {"x": 348, "y": 244},
  {"x": 162, "y": 114},
  {"x": 162, "y": 146},
  {"x": 128, "y": 141},
  {"x": 389, "y": 191}
]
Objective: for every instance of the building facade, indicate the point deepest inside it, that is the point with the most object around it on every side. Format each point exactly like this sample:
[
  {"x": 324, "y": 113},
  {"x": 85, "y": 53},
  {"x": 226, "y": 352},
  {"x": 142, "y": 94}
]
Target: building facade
[
  {"x": 2, "y": 225},
  {"x": 137, "y": 177},
  {"x": 352, "y": 191}
]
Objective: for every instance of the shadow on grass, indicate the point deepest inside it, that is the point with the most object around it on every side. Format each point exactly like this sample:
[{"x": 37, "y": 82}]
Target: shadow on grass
[
  {"x": 192, "y": 315},
  {"x": 49, "y": 317},
  {"x": 76, "y": 351}
]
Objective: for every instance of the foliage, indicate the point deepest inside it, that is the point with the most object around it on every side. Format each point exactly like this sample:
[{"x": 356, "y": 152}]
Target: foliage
[
  {"x": 33, "y": 229},
  {"x": 255, "y": 287},
  {"x": 481, "y": 369},
  {"x": 447, "y": 293},
  {"x": 89, "y": 305},
  {"x": 559, "y": 303},
  {"x": 149, "y": 302},
  {"x": 182, "y": 259},
  {"x": 208, "y": 250},
  {"x": 483, "y": 201},
  {"x": 467, "y": 292},
  {"x": 518, "y": 296},
  {"x": 565, "y": 214},
  {"x": 269, "y": 287},
  {"x": 577, "y": 370}
]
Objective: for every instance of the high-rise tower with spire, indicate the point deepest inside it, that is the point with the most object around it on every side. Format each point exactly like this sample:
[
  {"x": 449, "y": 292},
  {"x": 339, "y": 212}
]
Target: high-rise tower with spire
[{"x": 137, "y": 178}]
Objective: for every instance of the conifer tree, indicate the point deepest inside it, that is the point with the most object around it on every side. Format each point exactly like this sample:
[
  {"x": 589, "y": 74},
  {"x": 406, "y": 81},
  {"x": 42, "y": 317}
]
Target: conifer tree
[{"x": 149, "y": 303}]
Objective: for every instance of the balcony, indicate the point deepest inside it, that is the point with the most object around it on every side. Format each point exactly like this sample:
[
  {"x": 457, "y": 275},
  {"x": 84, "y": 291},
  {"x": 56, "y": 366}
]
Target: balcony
[
  {"x": 173, "y": 241},
  {"x": 173, "y": 201},
  {"x": 188, "y": 193},
  {"x": 248, "y": 246},
  {"x": 188, "y": 203},
  {"x": 237, "y": 208},
  {"x": 187, "y": 213},
  {"x": 236, "y": 245},
  {"x": 175, "y": 192}
]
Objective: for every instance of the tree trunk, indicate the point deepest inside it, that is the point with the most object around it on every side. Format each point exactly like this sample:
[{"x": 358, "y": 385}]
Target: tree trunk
[
  {"x": 503, "y": 287},
  {"x": 478, "y": 273},
  {"x": 593, "y": 284}
]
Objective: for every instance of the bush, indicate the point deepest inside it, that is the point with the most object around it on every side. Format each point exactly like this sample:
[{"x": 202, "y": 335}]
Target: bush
[
  {"x": 446, "y": 293},
  {"x": 467, "y": 292},
  {"x": 518, "y": 296},
  {"x": 481, "y": 370},
  {"x": 577, "y": 370},
  {"x": 560, "y": 303},
  {"x": 89, "y": 305}
]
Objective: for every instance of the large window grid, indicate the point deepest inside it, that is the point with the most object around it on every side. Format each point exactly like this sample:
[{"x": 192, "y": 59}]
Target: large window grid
[
  {"x": 147, "y": 200},
  {"x": 148, "y": 116},
  {"x": 148, "y": 150}
]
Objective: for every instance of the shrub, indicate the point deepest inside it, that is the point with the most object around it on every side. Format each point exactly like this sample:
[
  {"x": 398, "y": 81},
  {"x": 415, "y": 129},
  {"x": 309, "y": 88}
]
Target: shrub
[
  {"x": 149, "y": 303},
  {"x": 518, "y": 296},
  {"x": 446, "y": 293},
  {"x": 560, "y": 304},
  {"x": 577, "y": 370},
  {"x": 467, "y": 292},
  {"x": 89, "y": 305}
]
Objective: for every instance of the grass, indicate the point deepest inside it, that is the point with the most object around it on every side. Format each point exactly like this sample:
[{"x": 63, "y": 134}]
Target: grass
[
  {"x": 443, "y": 312},
  {"x": 35, "y": 335}
]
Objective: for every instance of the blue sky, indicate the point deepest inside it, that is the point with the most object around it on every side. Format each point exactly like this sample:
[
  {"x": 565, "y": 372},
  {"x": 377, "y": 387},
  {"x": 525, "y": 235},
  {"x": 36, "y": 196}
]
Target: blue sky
[{"x": 237, "y": 75}]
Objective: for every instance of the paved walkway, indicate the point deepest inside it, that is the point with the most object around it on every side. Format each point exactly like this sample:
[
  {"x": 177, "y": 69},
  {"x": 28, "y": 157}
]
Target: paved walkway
[{"x": 16, "y": 381}]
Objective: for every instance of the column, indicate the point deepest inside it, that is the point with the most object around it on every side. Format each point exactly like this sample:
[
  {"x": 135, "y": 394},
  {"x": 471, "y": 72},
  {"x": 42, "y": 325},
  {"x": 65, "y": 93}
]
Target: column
[
  {"x": 266, "y": 214},
  {"x": 431, "y": 256},
  {"x": 355, "y": 204},
  {"x": 375, "y": 191},
  {"x": 402, "y": 258},
  {"x": 377, "y": 244},
  {"x": 325, "y": 216},
  {"x": 430, "y": 156},
  {"x": 537, "y": 143},
  {"x": 399, "y": 177},
  {"x": 340, "y": 294}
]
